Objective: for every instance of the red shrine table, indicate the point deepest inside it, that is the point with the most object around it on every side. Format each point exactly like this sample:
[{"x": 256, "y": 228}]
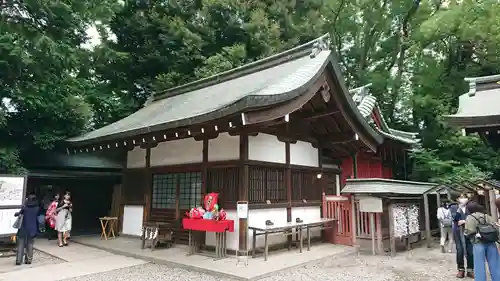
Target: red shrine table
[{"x": 219, "y": 227}]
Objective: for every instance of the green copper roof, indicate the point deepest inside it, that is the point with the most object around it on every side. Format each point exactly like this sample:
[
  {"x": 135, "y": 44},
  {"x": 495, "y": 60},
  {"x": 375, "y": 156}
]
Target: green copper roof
[
  {"x": 266, "y": 82},
  {"x": 479, "y": 107}
]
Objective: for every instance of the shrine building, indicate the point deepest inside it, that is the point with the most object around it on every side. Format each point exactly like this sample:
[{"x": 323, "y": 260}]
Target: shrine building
[
  {"x": 478, "y": 110},
  {"x": 278, "y": 133}
]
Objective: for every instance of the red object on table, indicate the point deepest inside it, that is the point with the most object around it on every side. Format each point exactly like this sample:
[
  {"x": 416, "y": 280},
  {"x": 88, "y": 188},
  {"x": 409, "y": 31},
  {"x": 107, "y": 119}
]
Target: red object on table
[{"x": 208, "y": 225}]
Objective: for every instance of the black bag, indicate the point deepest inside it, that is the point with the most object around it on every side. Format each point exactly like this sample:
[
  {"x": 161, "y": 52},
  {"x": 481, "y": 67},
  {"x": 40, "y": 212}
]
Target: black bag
[{"x": 487, "y": 231}]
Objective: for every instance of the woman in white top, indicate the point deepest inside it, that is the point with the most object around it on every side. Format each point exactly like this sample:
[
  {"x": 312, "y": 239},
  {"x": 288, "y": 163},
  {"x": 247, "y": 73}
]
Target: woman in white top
[{"x": 446, "y": 226}]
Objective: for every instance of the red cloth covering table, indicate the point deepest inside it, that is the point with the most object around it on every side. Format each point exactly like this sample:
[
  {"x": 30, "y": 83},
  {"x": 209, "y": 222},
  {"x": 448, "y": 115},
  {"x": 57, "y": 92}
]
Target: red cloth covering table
[{"x": 219, "y": 227}]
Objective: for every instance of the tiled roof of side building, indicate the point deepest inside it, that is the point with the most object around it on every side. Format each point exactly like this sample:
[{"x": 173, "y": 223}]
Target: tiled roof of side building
[
  {"x": 479, "y": 106},
  {"x": 270, "y": 81}
]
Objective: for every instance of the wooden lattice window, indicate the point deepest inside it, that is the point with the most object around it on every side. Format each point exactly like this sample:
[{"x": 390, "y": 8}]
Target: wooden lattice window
[
  {"x": 305, "y": 186},
  {"x": 266, "y": 184},
  {"x": 189, "y": 190},
  {"x": 164, "y": 191},
  {"x": 224, "y": 181}
]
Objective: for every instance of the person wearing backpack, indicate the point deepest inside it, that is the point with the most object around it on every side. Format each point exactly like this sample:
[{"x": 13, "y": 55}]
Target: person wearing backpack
[
  {"x": 482, "y": 231},
  {"x": 446, "y": 226}
]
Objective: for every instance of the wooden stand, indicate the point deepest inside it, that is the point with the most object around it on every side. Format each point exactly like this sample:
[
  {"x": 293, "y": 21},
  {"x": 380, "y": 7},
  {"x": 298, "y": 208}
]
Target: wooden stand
[{"x": 108, "y": 225}]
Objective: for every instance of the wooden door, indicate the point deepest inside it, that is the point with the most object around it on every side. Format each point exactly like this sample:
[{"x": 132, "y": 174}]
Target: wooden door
[{"x": 339, "y": 208}]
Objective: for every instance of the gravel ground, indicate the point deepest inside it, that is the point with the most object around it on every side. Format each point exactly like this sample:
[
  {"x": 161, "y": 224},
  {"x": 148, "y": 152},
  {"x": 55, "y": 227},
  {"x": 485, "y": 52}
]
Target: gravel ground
[
  {"x": 418, "y": 265},
  {"x": 39, "y": 259}
]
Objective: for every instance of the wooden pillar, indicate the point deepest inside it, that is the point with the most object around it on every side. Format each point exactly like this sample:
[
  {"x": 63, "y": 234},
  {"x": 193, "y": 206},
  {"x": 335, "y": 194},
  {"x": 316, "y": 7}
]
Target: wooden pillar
[
  {"x": 493, "y": 206},
  {"x": 427, "y": 221},
  {"x": 243, "y": 190},
  {"x": 380, "y": 244},
  {"x": 438, "y": 198},
  {"x": 204, "y": 170},
  {"x": 392, "y": 239},
  {"x": 288, "y": 184},
  {"x": 201, "y": 236},
  {"x": 487, "y": 203},
  {"x": 338, "y": 189},
  {"x": 148, "y": 184},
  {"x": 405, "y": 171},
  {"x": 373, "y": 234},
  {"x": 355, "y": 165},
  {"x": 353, "y": 221}
]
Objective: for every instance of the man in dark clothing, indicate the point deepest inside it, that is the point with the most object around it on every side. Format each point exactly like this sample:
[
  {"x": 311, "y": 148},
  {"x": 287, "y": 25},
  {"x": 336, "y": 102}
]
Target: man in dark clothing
[
  {"x": 28, "y": 230},
  {"x": 463, "y": 245}
]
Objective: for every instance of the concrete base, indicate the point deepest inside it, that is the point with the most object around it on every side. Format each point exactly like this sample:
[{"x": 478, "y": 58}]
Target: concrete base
[{"x": 257, "y": 268}]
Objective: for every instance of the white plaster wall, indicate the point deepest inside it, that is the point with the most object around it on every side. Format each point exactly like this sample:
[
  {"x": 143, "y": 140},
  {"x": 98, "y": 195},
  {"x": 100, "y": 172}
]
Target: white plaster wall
[
  {"x": 183, "y": 151},
  {"x": 224, "y": 147},
  {"x": 259, "y": 217},
  {"x": 304, "y": 154},
  {"x": 232, "y": 238},
  {"x": 132, "y": 220},
  {"x": 267, "y": 148},
  {"x": 255, "y": 218},
  {"x": 306, "y": 214},
  {"x": 136, "y": 158}
]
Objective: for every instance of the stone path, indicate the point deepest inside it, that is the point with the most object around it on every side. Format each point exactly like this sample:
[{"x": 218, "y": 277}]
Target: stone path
[
  {"x": 89, "y": 264},
  {"x": 7, "y": 264},
  {"x": 418, "y": 265},
  {"x": 73, "y": 261}
]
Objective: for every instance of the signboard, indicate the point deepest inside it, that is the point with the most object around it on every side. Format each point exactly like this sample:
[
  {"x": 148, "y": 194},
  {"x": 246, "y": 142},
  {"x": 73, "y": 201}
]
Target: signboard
[
  {"x": 242, "y": 209},
  {"x": 371, "y": 205},
  {"x": 12, "y": 190},
  {"x": 12, "y": 196},
  {"x": 7, "y": 219}
]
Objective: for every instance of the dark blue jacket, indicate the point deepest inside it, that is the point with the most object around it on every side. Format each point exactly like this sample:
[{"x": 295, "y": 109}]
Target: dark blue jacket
[
  {"x": 458, "y": 215},
  {"x": 30, "y": 212}
]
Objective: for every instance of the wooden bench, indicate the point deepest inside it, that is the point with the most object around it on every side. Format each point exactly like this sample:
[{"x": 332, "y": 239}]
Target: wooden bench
[{"x": 157, "y": 233}]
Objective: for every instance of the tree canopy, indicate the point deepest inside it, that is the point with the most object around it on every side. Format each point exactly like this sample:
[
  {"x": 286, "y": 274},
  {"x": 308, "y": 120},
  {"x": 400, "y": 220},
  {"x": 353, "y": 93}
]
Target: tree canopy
[{"x": 414, "y": 52}]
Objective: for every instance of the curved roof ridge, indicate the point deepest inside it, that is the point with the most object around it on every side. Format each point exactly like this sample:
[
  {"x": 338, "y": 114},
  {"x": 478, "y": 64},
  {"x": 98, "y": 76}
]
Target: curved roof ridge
[
  {"x": 367, "y": 104},
  {"x": 311, "y": 48}
]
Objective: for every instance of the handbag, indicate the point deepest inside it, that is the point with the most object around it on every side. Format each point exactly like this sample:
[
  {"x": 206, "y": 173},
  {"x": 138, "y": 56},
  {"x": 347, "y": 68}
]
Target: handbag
[{"x": 19, "y": 222}]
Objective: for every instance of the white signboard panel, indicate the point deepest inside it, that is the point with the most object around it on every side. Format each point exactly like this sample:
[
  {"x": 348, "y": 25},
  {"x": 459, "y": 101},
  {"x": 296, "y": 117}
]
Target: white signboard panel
[
  {"x": 242, "y": 209},
  {"x": 371, "y": 205},
  {"x": 132, "y": 220},
  {"x": 7, "y": 219},
  {"x": 12, "y": 190}
]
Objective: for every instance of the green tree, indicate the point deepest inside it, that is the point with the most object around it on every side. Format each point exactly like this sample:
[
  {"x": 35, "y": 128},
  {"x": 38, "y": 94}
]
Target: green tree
[
  {"x": 42, "y": 84},
  {"x": 164, "y": 44}
]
